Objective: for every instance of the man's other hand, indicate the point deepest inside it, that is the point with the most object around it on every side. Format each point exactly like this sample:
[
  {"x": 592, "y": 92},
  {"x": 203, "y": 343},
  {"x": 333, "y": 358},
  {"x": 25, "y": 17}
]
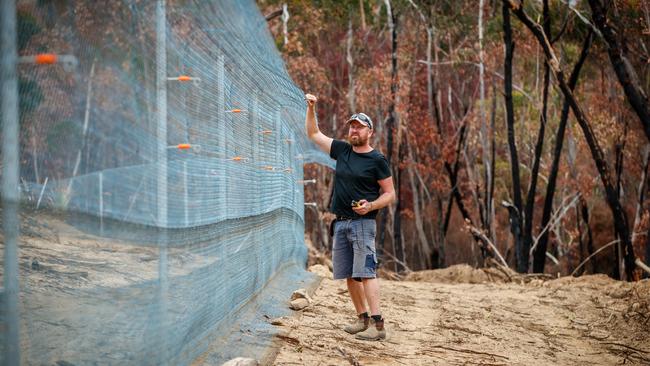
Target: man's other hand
[{"x": 363, "y": 207}]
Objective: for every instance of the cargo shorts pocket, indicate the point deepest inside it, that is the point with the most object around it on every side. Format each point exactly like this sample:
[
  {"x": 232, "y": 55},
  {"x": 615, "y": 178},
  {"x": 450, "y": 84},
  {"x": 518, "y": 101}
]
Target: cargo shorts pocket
[{"x": 371, "y": 262}]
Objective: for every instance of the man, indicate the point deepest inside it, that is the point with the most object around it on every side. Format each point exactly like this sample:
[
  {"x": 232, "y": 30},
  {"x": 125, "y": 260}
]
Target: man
[{"x": 362, "y": 186}]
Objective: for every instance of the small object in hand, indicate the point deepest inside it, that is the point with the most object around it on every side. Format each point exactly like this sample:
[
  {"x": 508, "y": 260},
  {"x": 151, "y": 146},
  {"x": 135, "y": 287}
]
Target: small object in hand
[{"x": 356, "y": 204}]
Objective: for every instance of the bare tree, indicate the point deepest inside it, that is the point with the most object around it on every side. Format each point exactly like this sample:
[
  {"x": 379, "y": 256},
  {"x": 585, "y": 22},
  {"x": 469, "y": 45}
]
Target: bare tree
[
  {"x": 516, "y": 210},
  {"x": 619, "y": 215},
  {"x": 539, "y": 255},
  {"x": 623, "y": 68}
]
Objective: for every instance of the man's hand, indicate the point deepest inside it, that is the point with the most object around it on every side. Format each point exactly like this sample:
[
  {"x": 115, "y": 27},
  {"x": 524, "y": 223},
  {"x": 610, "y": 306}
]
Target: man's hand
[
  {"x": 311, "y": 100},
  {"x": 311, "y": 127},
  {"x": 363, "y": 208}
]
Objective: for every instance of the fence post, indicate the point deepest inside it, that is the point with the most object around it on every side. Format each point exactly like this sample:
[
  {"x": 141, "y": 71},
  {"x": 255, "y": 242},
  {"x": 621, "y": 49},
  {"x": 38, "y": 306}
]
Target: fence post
[
  {"x": 161, "y": 104},
  {"x": 222, "y": 128},
  {"x": 100, "y": 177},
  {"x": 186, "y": 195},
  {"x": 254, "y": 120},
  {"x": 10, "y": 173}
]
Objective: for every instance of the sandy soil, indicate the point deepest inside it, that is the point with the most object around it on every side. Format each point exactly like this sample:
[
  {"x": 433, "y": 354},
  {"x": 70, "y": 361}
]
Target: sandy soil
[
  {"x": 461, "y": 315},
  {"x": 56, "y": 255}
]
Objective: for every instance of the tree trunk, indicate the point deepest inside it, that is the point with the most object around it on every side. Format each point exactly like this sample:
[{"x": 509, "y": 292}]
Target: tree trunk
[
  {"x": 350, "y": 61},
  {"x": 626, "y": 74},
  {"x": 489, "y": 199},
  {"x": 362, "y": 11},
  {"x": 647, "y": 251},
  {"x": 521, "y": 255},
  {"x": 424, "y": 243},
  {"x": 452, "y": 172},
  {"x": 487, "y": 166},
  {"x": 532, "y": 189},
  {"x": 392, "y": 117},
  {"x": 619, "y": 215},
  {"x": 397, "y": 221},
  {"x": 619, "y": 149},
  {"x": 539, "y": 255}
]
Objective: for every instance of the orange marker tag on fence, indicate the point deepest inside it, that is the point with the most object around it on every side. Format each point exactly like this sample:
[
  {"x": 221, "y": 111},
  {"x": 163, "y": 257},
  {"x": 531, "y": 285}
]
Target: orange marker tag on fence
[
  {"x": 45, "y": 59},
  {"x": 184, "y": 146},
  {"x": 184, "y": 78}
]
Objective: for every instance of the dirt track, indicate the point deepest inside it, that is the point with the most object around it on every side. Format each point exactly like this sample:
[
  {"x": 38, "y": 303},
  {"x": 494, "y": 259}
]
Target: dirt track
[{"x": 441, "y": 319}]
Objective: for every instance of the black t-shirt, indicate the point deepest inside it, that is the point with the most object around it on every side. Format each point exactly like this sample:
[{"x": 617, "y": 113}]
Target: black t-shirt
[{"x": 356, "y": 178}]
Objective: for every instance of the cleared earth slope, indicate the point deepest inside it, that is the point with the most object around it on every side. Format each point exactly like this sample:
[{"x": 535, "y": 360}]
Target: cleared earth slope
[{"x": 461, "y": 315}]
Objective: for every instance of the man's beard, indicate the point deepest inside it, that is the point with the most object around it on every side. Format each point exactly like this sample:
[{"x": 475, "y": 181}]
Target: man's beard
[{"x": 359, "y": 141}]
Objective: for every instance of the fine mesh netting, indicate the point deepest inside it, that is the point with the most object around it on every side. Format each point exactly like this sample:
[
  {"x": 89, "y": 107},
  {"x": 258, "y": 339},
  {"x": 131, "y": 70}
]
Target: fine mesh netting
[{"x": 161, "y": 167}]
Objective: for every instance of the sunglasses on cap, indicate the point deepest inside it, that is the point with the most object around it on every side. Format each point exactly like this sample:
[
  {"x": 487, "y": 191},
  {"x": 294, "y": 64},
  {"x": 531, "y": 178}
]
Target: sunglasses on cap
[{"x": 361, "y": 117}]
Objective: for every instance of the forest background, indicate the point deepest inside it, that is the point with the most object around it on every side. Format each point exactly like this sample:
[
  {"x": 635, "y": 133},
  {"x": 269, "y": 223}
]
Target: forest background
[{"x": 498, "y": 156}]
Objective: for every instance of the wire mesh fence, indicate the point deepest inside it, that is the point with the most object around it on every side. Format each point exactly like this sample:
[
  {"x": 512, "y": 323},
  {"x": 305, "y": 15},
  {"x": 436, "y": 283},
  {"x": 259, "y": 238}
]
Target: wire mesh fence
[{"x": 161, "y": 154}]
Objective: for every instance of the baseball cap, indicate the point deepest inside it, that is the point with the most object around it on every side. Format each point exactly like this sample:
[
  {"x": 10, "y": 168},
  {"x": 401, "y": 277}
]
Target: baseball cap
[{"x": 362, "y": 118}]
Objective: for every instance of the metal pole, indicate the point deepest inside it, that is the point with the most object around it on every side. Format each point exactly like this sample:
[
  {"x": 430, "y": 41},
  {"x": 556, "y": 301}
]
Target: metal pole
[
  {"x": 186, "y": 195},
  {"x": 161, "y": 104},
  {"x": 223, "y": 129},
  {"x": 40, "y": 196},
  {"x": 278, "y": 150},
  {"x": 101, "y": 203},
  {"x": 10, "y": 173},
  {"x": 254, "y": 118}
]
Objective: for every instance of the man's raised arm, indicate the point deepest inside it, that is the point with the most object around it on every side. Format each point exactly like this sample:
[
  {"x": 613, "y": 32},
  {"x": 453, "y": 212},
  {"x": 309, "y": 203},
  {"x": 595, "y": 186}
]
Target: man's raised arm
[{"x": 311, "y": 127}]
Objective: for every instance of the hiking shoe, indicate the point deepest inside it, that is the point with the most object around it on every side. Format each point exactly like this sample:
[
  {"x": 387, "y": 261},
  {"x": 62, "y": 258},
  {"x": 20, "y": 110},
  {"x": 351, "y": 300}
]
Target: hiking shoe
[
  {"x": 358, "y": 325},
  {"x": 375, "y": 332}
]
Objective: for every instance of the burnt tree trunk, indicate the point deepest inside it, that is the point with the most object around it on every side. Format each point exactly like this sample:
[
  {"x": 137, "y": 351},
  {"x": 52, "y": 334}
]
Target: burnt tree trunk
[
  {"x": 397, "y": 222},
  {"x": 539, "y": 255},
  {"x": 515, "y": 219},
  {"x": 452, "y": 172},
  {"x": 619, "y": 215},
  {"x": 390, "y": 124},
  {"x": 532, "y": 189},
  {"x": 626, "y": 74}
]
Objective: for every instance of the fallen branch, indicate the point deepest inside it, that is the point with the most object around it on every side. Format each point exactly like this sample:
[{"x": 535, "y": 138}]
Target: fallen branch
[
  {"x": 273, "y": 15},
  {"x": 558, "y": 215},
  {"x": 626, "y": 346},
  {"x": 480, "y": 235},
  {"x": 470, "y": 351},
  {"x": 353, "y": 360},
  {"x": 408, "y": 270},
  {"x": 596, "y": 252},
  {"x": 642, "y": 265}
]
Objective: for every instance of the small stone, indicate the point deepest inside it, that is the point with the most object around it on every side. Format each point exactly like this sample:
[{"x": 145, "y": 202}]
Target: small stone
[
  {"x": 241, "y": 361},
  {"x": 35, "y": 265},
  {"x": 300, "y": 294},
  {"x": 277, "y": 321},
  {"x": 321, "y": 271},
  {"x": 299, "y": 304},
  {"x": 619, "y": 293},
  {"x": 599, "y": 335}
]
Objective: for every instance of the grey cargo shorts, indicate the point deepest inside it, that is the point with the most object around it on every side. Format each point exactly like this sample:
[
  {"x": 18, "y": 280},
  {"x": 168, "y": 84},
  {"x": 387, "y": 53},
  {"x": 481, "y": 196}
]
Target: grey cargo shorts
[{"x": 353, "y": 251}]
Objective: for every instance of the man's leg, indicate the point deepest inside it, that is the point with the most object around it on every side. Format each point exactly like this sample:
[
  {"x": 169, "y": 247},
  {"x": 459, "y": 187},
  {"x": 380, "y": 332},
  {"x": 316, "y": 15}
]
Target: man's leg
[
  {"x": 357, "y": 295},
  {"x": 376, "y": 330},
  {"x": 371, "y": 290},
  {"x": 365, "y": 266},
  {"x": 355, "y": 288}
]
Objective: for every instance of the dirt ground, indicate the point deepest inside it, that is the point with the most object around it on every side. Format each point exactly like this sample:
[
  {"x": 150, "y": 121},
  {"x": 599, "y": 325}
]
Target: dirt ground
[
  {"x": 456, "y": 316},
  {"x": 465, "y": 316}
]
